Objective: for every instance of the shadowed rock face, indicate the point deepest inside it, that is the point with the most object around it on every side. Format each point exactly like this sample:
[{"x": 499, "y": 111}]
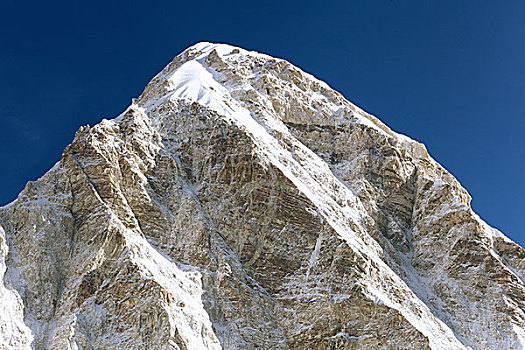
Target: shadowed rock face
[{"x": 239, "y": 203}]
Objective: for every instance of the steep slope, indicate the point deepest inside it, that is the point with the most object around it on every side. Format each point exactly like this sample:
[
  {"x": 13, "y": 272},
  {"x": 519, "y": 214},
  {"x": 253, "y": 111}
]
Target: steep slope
[{"x": 240, "y": 203}]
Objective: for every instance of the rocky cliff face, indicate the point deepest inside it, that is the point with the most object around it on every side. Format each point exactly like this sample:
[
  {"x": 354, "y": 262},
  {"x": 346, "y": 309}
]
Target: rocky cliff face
[{"x": 239, "y": 203}]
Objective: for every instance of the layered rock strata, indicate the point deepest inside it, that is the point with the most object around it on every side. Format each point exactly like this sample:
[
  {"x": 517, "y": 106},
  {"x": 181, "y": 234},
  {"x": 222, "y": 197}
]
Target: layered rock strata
[{"x": 240, "y": 203}]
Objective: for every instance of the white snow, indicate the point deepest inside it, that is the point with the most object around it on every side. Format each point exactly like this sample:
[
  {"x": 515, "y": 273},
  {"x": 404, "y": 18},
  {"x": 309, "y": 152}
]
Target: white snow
[
  {"x": 226, "y": 49},
  {"x": 339, "y": 206},
  {"x": 490, "y": 231},
  {"x": 14, "y": 333},
  {"x": 336, "y": 203},
  {"x": 184, "y": 286},
  {"x": 315, "y": 255},
  {"x": 520, "y": 332}
]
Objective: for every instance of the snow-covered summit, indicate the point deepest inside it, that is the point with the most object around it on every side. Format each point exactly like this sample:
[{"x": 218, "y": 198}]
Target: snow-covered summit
[{"x": 241, "y": 203}]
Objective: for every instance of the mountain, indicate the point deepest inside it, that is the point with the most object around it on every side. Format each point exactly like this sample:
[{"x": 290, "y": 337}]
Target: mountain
[{"x": 240, "y": 203}]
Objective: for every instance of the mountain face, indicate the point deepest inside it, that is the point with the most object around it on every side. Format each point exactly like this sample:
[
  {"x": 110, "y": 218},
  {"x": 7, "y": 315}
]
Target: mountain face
[{"x": 240, "y": 203}]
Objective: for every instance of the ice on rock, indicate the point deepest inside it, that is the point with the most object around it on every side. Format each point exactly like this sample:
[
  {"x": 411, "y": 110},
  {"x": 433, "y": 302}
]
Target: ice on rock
[{"x": 241, "y": 203}]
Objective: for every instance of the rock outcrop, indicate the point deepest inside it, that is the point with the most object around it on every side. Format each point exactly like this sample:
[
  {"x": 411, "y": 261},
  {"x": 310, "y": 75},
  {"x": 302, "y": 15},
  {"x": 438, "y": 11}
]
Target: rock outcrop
[{"x": 240, "y": 203}]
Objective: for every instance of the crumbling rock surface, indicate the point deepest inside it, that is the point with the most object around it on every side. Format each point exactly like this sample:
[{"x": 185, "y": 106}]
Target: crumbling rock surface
[{"x": 240, "y": 203}]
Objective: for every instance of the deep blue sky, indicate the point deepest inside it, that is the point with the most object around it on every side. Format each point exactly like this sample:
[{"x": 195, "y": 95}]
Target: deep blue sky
[{"x": 448, "y": 73}]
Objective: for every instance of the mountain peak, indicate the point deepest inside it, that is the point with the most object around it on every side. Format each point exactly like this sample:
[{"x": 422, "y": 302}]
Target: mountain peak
[{"x": 241, "y": 203}]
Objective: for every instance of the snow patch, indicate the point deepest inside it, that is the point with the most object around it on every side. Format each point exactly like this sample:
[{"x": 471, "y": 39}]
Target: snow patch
[
  {"x": 336, "y": 203},
  {"x": 14, "y": 335}
]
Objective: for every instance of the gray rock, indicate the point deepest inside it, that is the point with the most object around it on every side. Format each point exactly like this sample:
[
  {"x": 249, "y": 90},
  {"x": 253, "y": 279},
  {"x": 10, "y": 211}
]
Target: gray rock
[{"x": 240, "y": 203}]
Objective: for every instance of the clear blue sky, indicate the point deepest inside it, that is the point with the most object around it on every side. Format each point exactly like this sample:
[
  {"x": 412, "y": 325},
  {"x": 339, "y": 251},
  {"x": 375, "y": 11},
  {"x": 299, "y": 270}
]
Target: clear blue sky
[{"x": 450, "y": 74}]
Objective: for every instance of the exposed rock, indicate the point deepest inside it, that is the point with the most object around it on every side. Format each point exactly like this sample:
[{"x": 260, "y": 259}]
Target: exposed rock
[{"x": 240, "y": 203}]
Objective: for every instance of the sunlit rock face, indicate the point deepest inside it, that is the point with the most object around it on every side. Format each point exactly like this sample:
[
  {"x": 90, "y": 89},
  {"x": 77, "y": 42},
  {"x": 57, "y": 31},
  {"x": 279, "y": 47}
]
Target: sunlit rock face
[{"x": 240, "y": 203}]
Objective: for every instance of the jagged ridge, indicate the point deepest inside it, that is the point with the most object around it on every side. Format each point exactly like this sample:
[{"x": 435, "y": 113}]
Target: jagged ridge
[{"x": 241, "y": 203}]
